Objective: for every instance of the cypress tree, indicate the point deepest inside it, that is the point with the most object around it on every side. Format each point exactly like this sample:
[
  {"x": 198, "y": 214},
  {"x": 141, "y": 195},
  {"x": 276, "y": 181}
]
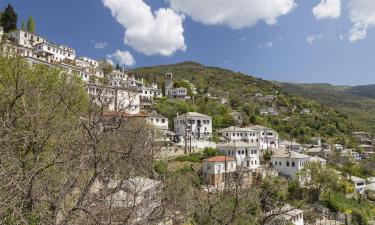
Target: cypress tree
[
  {"x": 31, "y": 25},
  {"x": 9, "y": 19}
]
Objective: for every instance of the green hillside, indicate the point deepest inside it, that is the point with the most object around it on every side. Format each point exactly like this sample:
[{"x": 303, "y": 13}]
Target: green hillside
[
  {"x": 323, "y": 121},
  {"x": 355, "y": 102}
]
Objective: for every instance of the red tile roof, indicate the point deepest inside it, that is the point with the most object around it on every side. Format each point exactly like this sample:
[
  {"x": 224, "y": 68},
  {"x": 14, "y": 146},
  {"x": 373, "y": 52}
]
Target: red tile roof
[{"x": 221, "y": 158}]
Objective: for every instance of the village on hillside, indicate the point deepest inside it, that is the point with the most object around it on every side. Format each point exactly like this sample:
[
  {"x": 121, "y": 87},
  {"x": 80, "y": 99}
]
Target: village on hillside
[{"x": 237, "y": 155}]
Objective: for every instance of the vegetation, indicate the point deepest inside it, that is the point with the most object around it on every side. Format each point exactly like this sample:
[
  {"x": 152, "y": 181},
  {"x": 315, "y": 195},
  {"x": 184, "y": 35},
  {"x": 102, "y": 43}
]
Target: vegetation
[
  {"x": 31, "y": 25},
  {"x": 9, "y": 19},
  {"x": 356, "y": 102},
  {"x": 239, "y": 89}
]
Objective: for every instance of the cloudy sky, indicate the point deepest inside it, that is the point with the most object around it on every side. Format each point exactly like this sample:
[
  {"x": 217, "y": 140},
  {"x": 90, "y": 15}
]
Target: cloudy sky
[{"x": 287, "y": 40}]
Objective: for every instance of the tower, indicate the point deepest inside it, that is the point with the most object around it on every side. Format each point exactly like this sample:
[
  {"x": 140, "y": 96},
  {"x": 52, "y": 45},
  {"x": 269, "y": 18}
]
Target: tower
[{"x": 168, "y": 84}]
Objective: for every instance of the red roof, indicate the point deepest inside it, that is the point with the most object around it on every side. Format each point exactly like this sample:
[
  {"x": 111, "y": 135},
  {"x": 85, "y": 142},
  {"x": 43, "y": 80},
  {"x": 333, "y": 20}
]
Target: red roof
[{"x": 220, "y": 158}]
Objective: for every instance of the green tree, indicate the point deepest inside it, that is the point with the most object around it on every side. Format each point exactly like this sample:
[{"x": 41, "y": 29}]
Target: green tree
[
  {"x": 105, "y": 66},
  {"x": 31, "y": 25},
  {"x": 9, "y": 19},
  {"x": 23, "y": 26}
]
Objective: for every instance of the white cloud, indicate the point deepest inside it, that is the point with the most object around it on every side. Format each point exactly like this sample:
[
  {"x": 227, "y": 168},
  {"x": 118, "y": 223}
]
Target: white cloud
[
  {"x": 313, "y": 37},
  {"x": 122, "y": 57},
  {"x": 266, "y": 45},
  {"x": 234, "y": 13},
  {"x": 327, "y": 9},
  {"x": 362, "y": 16},
  {"x": 152, "y": 33},
  {"x": 100, "y": 45}
]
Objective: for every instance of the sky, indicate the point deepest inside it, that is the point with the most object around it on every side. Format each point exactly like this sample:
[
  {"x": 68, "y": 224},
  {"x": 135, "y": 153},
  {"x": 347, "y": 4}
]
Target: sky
[{"x": 305, "y": 41}]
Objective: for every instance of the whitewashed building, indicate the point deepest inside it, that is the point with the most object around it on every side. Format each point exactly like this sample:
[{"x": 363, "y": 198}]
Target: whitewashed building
[
  {"x": 87, "y": 62},
  {"x": 55, "y": 53},
  {"x": 25, "y": 39},
  {"x": 115, "y": 98},
  {"x": 235, "y": 134},
  {"x": 265, "y": 137},
  {"x": 247, "y": 155},
  {"x": 158, "y": 121},
  {"x": 218, "y": 169},
  {"x": 289, "y": 163},
  {"x": 196, "y": 124}
]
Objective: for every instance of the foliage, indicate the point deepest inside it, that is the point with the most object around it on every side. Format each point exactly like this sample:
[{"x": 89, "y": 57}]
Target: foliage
[
  {"x": 9, "y": 19},
  {"x": 339, "y": 202},
  {"x": 194, "y": 158},
  {"x": 105, "y": 66},
  {"x": 211, "y": 152},
  {"x": 160, "y": 167},
  {"x": 332, "y": 125},
  {"x": 31, "y": 25}
]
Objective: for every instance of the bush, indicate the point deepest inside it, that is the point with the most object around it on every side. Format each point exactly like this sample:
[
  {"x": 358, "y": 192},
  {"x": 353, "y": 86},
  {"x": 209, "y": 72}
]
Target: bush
[
  {"x": 160, "y": 167},
  {"x": 211, "y": 152},
  {"x": 194, "y": 158}
]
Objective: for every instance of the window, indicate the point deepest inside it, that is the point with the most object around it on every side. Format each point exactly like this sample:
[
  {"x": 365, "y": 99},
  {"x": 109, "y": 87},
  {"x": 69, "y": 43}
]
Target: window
[
  {"x": 163, "y": 120},
  {"x": 287, "y": 163},
  {"x": 276, "y": 163},
  {"x": 293, "y": 164},
  {"x": 279, "y": 163}
]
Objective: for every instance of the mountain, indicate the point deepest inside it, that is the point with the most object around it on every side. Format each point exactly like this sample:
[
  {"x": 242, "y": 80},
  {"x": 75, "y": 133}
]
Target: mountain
[
  {"x": 291, "y": 122},
  {"x": 357, "y": 102},
  {"x": 363, "y": 90}
]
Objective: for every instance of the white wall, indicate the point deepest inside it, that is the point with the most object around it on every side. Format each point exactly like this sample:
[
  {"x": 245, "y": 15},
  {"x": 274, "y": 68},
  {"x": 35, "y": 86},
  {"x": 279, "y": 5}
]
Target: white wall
[
  {"x": 203, "y": 131},
  {"x": 218, "y": 167},
  {"x": 291, "y": 171}
]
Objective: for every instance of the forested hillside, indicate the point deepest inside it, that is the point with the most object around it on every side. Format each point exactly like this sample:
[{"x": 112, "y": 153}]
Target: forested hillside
[
  {"x": 290, "y": 121},
  {"x": 350, "y": 100}
]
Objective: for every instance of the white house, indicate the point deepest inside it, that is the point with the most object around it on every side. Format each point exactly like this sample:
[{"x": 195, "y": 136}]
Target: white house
[
  {"x": 196, "y": 124},
  {"x": 87, "y": 62},
  {"x": 170, "y": 91},
  {"x": 25, "y": 39},
  {"x": 55, "y": 53},
  {"x": 246, "y": 154},
  {"x": 218, "y": 169},
  {"x": 158, "y": 121},
  {"x": 149, "y": 93},
  {"x": 359, "y": 184},
  {"x": 289, "y": 163},
  {"x": 234, "y": 134},
  {"x": 115, "y": 98},
  {"x": 265, "y": 137}
]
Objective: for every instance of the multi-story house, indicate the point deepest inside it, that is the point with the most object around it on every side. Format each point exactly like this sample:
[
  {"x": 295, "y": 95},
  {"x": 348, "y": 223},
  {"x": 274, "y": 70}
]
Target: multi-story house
[
  {"x": 87, "y": 62},
  {"x": 193, "y": 124},
  {"x": 148, "y": 94},
  {"x": 25, "y": 39},
  {"x": 246, "y": 154},
  {"x": 289, "y": 163},
  {"x": 160, "y": 122},
  {"x": 234, "y": 134},
  {"x": 219, "y": 169},
  {"x": 265, "y": 137},
  {"x": 115, "y": 98},
  {"x": 54, "y": 53},
  {"x": 170, "y": 91}
]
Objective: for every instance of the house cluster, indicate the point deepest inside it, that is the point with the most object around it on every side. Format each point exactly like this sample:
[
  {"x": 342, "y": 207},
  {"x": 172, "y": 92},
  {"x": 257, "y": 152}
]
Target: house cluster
[{"x": 123, "y": 91}]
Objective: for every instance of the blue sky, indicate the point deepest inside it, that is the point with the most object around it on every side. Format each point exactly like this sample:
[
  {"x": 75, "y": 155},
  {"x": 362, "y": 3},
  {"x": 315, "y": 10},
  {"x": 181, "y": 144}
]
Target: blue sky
[{"x": 277, "y": 51}]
